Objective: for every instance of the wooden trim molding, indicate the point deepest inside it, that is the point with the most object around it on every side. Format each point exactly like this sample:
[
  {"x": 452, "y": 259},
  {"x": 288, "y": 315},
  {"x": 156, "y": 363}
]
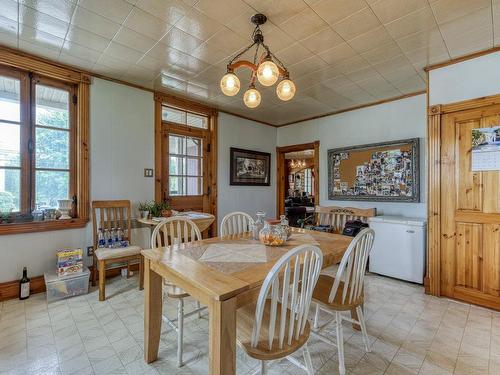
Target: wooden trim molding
[
  {"x": 24, "y": 61},
  {"x": 433, "y": 273},
  {"x": 371, "y": 104},
  {"x": 280, "y": 172},
  {"x": 464, "y": 105},
  {"x": 183, "y": 103},
  {"x": 461, "y": 59},
  {"x": 42, "y": 226},
  {"x": 10, "y": 289},
  {"x": 77, "y": 85}
]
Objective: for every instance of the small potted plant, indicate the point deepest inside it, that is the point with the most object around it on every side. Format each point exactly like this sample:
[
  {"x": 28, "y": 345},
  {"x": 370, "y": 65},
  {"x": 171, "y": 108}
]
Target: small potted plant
[
  {"x": 144, "y": 209},
  {"x": 166, "y": 209},
  {"x": 159, "y": 209},
  {"x": 5, "y": 218}
]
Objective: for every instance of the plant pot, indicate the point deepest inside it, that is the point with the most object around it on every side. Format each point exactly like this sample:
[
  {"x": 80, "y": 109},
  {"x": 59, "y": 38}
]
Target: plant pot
[
  {"x": 144, "y": 214},
  {"x": 166, "y": 213}
]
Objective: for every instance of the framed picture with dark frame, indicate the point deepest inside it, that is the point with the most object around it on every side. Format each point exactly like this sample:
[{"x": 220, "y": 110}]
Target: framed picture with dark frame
[
  {"x": 384, "y": 172},
  {"x": 249, "y": 168}
]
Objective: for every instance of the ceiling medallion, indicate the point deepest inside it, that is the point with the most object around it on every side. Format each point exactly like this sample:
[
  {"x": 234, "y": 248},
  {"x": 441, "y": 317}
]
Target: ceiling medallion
[{"x": 267, "y": 70}]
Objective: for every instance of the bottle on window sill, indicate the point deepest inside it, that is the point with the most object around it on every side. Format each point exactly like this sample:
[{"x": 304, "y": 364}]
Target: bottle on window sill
[
  {"x": 24, "y": 285},
  {"x": 73, "y": 210}
]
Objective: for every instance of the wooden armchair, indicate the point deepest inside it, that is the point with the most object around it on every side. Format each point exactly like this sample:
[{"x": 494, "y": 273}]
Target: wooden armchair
[
  {"x": 338, "y": 216},
  {"x": 107, "y": 215}
]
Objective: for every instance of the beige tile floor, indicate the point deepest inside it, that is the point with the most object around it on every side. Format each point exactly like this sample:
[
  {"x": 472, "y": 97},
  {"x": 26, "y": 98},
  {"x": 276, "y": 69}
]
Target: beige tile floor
[{"x": 411, "y": 333}]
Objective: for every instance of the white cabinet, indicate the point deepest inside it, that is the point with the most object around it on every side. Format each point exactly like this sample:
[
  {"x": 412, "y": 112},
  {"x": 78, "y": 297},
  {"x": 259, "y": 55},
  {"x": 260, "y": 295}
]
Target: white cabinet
[{"x": 399, "y": 247}]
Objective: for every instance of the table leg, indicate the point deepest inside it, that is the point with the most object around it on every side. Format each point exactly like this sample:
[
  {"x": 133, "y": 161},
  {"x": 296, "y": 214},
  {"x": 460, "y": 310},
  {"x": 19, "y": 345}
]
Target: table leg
[
  {"x": 222, "y": 346},
  {"x": 152, "y": 312}
]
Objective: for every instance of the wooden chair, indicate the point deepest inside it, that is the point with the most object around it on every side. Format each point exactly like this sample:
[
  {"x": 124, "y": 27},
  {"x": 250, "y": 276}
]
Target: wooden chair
[
  {"x": 176, "y": 231},
  {"x": 344, "y": 292},
  {"x": 107, "y": 215},
  {"x": 276, "y": 326},
  {"x": 236, "y": 223},
  {"x": 338, "y": 216}
]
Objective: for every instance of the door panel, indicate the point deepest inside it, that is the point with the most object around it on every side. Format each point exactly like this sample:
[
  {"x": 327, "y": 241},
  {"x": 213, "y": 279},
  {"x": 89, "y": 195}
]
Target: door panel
[
  {"x": 491, "y": 258},
  {"x": 469, "y": 183},
  {"x": 469, "y": 257},
  {"x": 492, "y": 178},
  {"x": 470, "y": 207}
]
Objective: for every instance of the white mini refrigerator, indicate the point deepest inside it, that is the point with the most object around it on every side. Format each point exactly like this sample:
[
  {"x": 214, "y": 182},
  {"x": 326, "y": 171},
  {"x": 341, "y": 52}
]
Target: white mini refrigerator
[{"x": 399, "y": 247}]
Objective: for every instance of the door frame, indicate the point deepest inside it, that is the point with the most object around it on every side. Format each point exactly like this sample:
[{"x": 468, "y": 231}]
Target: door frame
[
  {"x": 280, "y": 172},
  {"x": 432, "y": 281},
  {"x": 210, "y": 186}
]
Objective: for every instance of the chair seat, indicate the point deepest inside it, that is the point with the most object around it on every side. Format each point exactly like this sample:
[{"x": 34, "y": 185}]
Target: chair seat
[
  {"x": 107, "y": 253},
  {"x": 173, "y": 291},
  {"x": 322, "y": 293},
  {"x": 245, "y": 317}
]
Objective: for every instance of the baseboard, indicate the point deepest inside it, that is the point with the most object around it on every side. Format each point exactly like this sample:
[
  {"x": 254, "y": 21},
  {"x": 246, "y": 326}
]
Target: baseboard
[
  {"x": 427, "y": 285},
  {"x": 10, "y": 289}
]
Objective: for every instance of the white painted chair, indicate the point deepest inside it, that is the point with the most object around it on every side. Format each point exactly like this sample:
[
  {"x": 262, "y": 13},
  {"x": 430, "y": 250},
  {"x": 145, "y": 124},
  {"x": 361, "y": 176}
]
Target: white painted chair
[
  {"x": 276, "y": 325},
  {"x": 176, "y": 231},
  {"x": 344, "y": 292},
  {"x": 236, "y": 223}
]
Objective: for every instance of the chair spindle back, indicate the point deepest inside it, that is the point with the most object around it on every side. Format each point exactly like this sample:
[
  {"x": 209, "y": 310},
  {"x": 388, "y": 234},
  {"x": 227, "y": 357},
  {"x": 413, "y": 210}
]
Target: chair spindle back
[
  {"x": 175, "y": 230},
  {"x": 338, "y": 216},
  {"x": 236, "y": 223},
  {"x": 352, "y": 268},
  {"x": 299, "y": 271},
  {"x": 111, "y": 214}
]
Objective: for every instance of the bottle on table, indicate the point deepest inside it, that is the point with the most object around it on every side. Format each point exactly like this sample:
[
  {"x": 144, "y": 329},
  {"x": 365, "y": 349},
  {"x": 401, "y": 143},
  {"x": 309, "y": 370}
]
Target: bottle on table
[
  {"x": 112, "y": 234},
  {"x": 101, "y": 242},
  {"x": 258, "y": 224},
  {"x": 107, "y": 238},
  {"x": 24, "y": 285},
  {"x": 125, "y": 242},
  {"x": 119, "y": 238}
]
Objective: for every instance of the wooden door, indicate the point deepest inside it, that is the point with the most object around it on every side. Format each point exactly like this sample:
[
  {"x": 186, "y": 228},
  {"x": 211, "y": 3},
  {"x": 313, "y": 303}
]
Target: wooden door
[
  {"x": 470, "y": 213},
  {"x": 185, "y": 153}
]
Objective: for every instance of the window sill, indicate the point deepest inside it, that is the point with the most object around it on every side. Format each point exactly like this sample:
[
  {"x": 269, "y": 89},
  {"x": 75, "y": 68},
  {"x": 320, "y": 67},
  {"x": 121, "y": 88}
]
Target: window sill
[{"x": 41, "y": 226}]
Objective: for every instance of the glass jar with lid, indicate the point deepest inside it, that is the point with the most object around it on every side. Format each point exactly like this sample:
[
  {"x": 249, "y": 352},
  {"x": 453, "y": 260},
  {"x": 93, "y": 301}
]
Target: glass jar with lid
[
  {"x": 258, "y": 224},
  {"x": 272, "y": 235},
  {"x": 286, "y": 227}
]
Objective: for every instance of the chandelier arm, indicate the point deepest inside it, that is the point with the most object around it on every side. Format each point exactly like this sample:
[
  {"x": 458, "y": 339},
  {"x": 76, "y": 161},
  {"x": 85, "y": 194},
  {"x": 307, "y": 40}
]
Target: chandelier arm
[
  {"x": 243, "y": 63},
  {"x": 273, "y": 56},
  {"x": 255, "y": 55},
  {"x": 241, "y": 53}
]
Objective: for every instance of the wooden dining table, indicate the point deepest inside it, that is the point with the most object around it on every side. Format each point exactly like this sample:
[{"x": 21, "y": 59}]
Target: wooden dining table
[{"x": 223, "y": 274}]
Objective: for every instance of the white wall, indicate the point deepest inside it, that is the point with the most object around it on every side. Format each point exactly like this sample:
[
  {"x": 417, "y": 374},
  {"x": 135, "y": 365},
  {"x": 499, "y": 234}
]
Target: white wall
[
  {"x": 121, "y": 146},
  {"x": 395, "y": 120},
  {"x": 469, "y": 79},
  {"x": 237, "y": 132}
]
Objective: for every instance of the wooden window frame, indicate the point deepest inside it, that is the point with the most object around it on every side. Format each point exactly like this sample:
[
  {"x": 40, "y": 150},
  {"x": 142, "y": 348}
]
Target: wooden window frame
[
  {"x": 29, "y": 69},
  {"x": 173, "y": 129},
  {"x": 162, "y": 129}
]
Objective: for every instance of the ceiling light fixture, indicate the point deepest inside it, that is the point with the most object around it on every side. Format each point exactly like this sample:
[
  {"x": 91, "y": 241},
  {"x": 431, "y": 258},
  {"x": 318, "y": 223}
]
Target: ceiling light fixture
[
  {"x": 295, "y": 164},
  {"x": 267, "y": 70}
]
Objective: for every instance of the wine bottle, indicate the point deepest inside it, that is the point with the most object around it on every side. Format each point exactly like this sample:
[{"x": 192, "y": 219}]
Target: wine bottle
[{"x": 24, "y": 285}]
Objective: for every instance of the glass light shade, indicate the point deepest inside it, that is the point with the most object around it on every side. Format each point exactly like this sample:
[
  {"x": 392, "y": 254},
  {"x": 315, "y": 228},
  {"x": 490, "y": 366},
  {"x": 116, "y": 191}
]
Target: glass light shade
[
  {"x": 252, "y": 98},
  {"x": 267, "y": 73},
  {"x": 230, "y": 84},
  {"x": 285, "y": 90}
]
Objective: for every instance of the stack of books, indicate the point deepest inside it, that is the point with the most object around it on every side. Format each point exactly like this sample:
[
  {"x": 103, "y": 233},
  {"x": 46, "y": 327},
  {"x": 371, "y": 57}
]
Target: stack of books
[{"x": 69, "y": 262}]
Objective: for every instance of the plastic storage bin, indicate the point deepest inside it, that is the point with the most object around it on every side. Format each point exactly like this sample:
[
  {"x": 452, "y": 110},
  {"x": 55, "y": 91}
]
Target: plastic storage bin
[{"x": 68, "y": 286}]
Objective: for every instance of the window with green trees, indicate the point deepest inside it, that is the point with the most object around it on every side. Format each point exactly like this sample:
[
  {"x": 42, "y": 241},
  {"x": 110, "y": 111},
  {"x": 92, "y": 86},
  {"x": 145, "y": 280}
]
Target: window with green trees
[{"x": 36, "y": 142}]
